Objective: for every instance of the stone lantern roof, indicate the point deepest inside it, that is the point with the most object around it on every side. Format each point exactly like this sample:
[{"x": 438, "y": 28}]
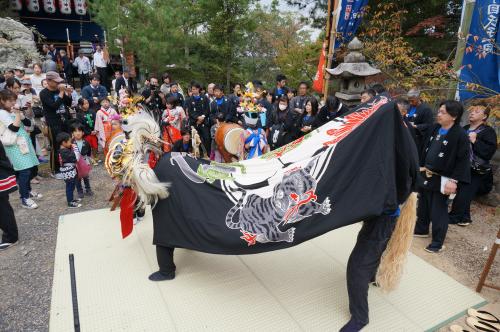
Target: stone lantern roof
[{"x": 354, "y": 63}]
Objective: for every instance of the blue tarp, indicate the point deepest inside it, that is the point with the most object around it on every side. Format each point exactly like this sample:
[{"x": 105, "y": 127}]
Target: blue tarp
[
  {"x": 481, "y": 64},
  {"x": 53, "y": 26}
]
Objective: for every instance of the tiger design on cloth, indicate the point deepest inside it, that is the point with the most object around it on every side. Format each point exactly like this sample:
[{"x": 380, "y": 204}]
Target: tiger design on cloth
[{"x": 293, "y": 200}]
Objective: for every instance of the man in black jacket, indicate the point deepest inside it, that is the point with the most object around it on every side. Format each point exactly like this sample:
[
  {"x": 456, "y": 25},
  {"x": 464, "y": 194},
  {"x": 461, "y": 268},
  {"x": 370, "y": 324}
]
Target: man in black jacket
[
  {"x": 280, "y": 89},
  {"x": 124, "y": 81},
  {"x": 419, "y": 115},
  {"x": 197, "y": 107},
  {"x": 222, "y": 104},
  {"x": 332, "y": 109},
  {"x": 444, "y": 163},
  {"x": 174, "y": 92},
  {"x": 183, "y": 144},
  {"x": 55, "y": 99}
]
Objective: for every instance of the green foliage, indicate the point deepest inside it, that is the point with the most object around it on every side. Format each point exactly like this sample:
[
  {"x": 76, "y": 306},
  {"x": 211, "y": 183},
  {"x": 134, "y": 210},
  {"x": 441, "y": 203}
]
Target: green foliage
[{"x": 223, "y": 41}]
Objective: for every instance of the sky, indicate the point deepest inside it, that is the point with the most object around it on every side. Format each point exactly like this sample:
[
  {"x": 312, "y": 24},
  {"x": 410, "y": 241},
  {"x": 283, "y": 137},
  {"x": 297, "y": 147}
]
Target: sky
[{"x": 284, "y": 6}]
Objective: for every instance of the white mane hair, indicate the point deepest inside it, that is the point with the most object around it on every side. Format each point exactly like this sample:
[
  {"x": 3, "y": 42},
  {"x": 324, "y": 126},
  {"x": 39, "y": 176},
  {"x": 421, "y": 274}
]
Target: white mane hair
[{"x": 144, "y": 133}]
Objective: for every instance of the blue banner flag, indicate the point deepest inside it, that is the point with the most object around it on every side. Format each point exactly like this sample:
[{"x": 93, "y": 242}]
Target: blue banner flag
[
  {"x": 480, "y": 65},
  {"x": 348, "y": 20}
]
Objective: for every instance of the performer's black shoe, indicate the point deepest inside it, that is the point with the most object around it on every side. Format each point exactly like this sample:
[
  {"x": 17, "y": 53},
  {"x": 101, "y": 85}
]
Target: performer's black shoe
[
  {"x": 158, "y": 276},
  {"x": 352, "y": 326}
]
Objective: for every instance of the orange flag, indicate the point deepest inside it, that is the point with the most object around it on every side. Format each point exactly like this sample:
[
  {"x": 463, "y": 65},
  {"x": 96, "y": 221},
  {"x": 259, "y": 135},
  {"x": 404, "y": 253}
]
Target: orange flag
[{"x": 319, "y": 77}]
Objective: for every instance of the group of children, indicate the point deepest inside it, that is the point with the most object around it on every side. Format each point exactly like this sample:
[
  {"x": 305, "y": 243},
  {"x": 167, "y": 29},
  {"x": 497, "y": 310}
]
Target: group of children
[{"x": 90, "y": 131}]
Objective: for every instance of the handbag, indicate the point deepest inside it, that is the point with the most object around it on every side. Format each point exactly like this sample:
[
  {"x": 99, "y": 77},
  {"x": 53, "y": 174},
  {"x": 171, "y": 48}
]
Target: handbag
[
  {"x": 7, "y": 136},
  {"x": 479, "y": 165},
  {"x": 83, "y": 168}
]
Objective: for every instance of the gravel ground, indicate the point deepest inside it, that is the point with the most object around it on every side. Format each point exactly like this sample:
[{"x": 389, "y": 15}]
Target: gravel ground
[{"x": 26, "y": 269}]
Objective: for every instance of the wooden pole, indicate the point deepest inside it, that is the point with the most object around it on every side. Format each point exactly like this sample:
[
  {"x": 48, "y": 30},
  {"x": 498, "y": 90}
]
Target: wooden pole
[
  {"x": 332, "y": 34},
  {"x": 482, "y": 281}
]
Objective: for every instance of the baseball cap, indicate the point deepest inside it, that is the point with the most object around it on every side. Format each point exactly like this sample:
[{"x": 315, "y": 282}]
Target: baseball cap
[
  {"x": 26, "y": 81},
  {"x": 52, "y": 75}
]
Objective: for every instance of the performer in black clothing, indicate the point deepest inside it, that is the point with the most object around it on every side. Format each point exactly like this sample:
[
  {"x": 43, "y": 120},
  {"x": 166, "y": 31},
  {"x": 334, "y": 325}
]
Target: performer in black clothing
[
  {"x": 404, "y": 106},
  {"x": 332, "y": 109},
  {"x": 419, "y": 115},
  {"x": 280, "y": 90},
  {"x": 299, "y": 101},
  {"x": 197, "y": 107},
  {"x": 183, "y": 144},
  {"x": 375, "y": 234},
  {"x": 444, "y": 162},
  {"x": 55, "y": 99},
  {"x": 276, "y": 136},
  {"x": 293, "y": 124},
  {"x": 222, "y": 104},
  {"x": 483, "y": 144}
]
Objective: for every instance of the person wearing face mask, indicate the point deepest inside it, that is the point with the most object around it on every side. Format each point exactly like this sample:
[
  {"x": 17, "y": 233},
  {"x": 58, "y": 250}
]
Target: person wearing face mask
[
  {"x": 276, "y": 136},
  {"x": 483, "y": 145}
]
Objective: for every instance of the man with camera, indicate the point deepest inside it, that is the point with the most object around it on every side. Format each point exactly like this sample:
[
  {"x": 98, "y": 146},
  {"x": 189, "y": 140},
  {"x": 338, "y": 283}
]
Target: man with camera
[
  {"x": 154, "y": 99},
  {"x": 55, "y": 99}
]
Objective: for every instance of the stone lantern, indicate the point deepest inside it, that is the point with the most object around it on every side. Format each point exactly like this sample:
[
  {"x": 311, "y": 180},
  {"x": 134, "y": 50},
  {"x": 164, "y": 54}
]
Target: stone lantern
[{"x": 352, "y": 74}]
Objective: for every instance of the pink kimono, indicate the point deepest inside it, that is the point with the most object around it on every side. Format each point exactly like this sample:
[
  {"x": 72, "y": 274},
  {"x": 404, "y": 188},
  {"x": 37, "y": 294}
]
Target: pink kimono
[{"x": 103, "y": 125}]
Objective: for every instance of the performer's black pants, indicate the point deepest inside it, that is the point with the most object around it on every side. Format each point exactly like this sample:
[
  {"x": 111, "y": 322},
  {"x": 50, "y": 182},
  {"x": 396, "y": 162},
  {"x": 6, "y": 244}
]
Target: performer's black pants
[
  {"x": 54, "y": 147},
  {"x": 204, "y": 132},
  {"x": 460, "y": 210},
  {"x": 165, "y": 257},
  {"x": 103, "y": 74},
  {"x": 84, "y": 80},
  {"x": 432, "y": 206},
  {"x": 7, "y": 221},
  {"x": 364, "y": 261}
]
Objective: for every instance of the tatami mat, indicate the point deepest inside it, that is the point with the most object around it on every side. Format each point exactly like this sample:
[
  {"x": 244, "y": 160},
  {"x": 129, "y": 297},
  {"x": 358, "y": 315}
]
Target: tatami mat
[{"x": 297, "y": 289}]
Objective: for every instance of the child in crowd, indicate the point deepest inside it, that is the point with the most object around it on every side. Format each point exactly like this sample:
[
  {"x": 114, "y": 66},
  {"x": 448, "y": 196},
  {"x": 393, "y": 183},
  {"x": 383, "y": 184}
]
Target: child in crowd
[
  {"x": 18, "y": 146},
  {"x": 84, "y": 150},
  {"x": 86, "y": 116},
  {"x": 173, "y": 120},
  {"x": 116, "y": 129},
  {"x": 67, "y": 159},
  {"x": 103, "y": 122}
]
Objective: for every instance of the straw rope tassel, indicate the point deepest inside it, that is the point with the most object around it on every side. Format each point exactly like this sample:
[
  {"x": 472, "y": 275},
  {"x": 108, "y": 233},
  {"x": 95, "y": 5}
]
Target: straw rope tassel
[{"x": 394, "y": 257}]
